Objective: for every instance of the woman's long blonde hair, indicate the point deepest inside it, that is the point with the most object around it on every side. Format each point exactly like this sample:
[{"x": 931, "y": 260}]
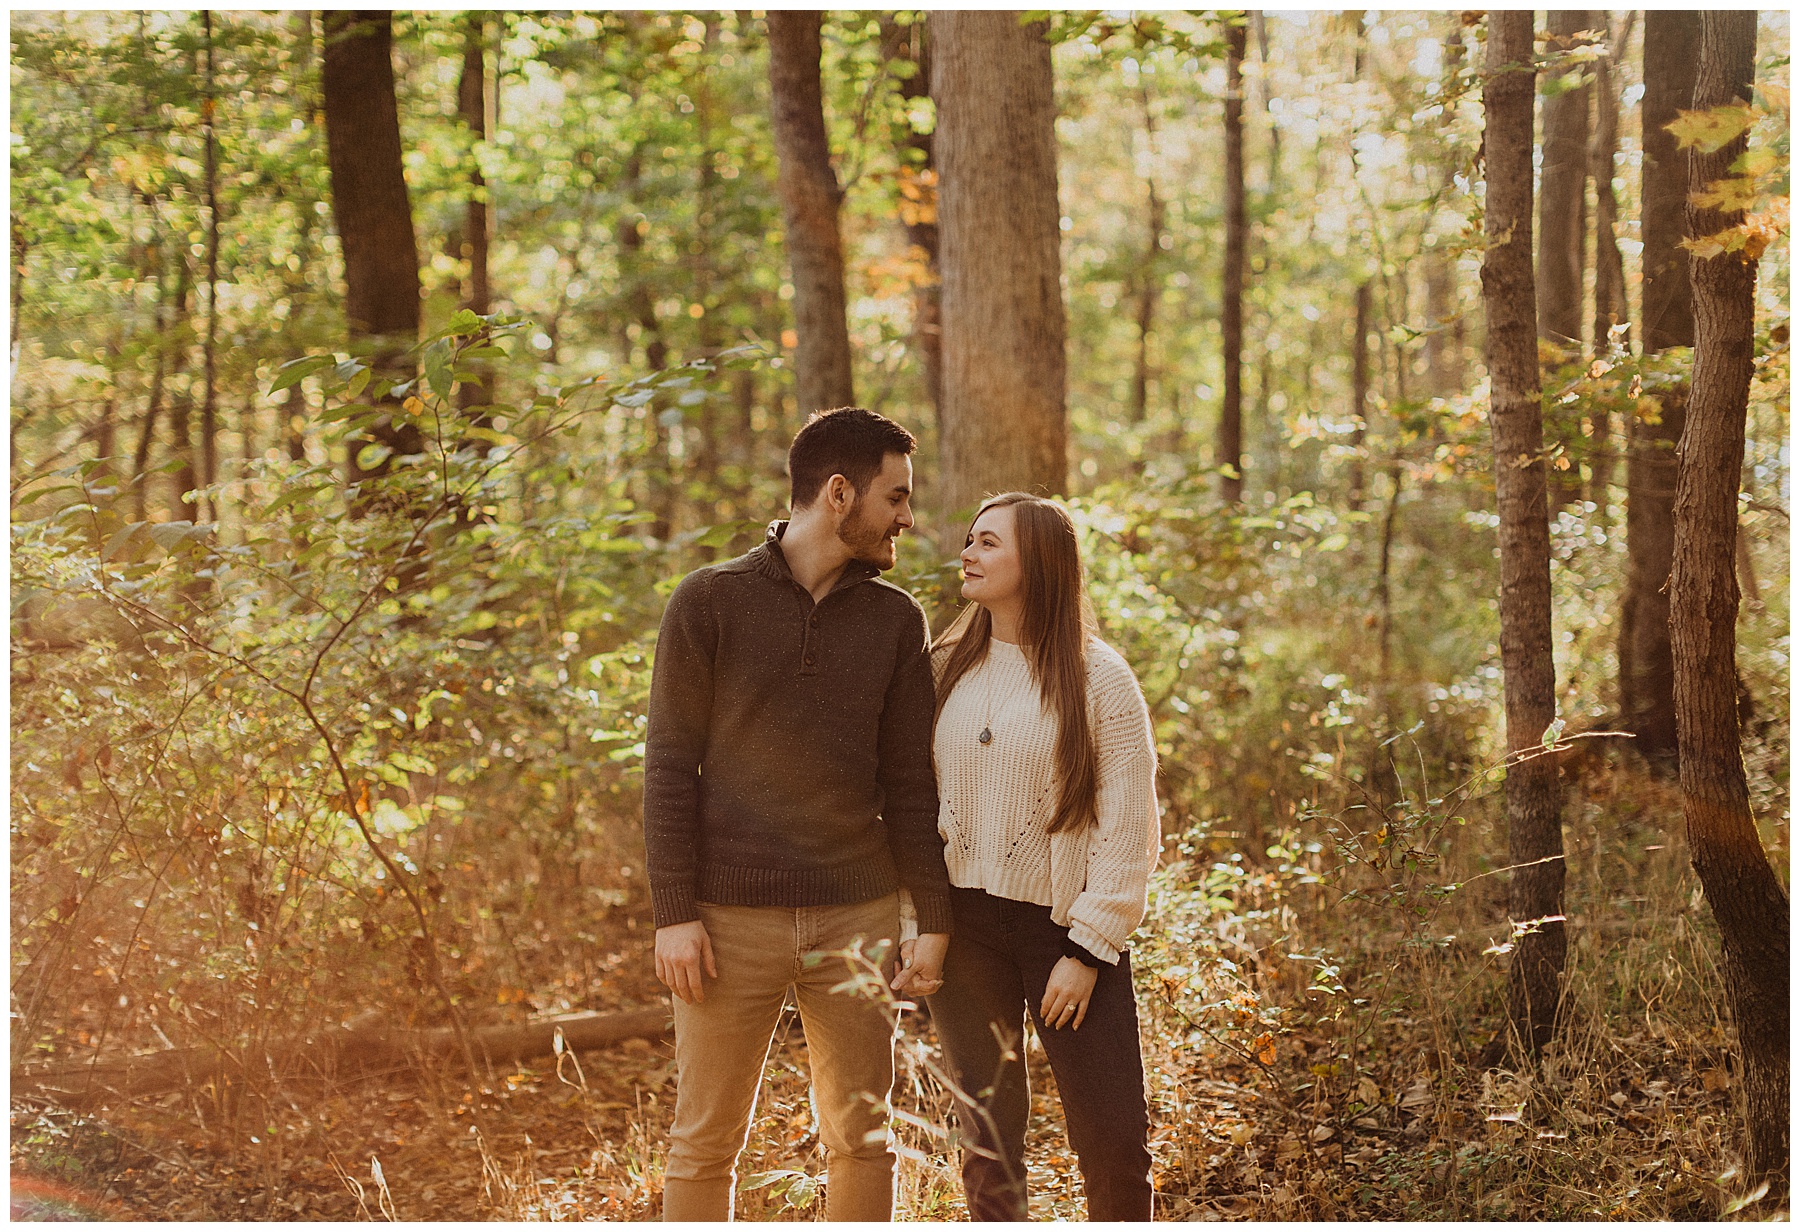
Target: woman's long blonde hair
[{"x": 1054, "y": 628}]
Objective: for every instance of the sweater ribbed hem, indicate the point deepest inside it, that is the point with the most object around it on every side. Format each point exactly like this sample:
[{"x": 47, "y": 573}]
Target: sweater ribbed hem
[
  {"x": 797, "y": 887},
  {"x": 1006, "y": 881}
]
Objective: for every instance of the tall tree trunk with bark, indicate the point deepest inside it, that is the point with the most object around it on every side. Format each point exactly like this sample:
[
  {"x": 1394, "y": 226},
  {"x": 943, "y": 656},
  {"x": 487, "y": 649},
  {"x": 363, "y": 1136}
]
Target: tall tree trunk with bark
[
  {"x": 1562, "y": 200},
  {"x": 1562, "y": 238},
  {"x": 1533, "y": 804},
  {"x": 1611, "y": 311},
  {"x": 1646, "y": 660},
  {"x": 1746, "y": 896},
  {"x": 373, "y": 213},
  {"x": 1229, "y": 455},
  {"x": 810, "y": 198},
  {"x": 471, "y": 108},
  {"x": 919, "y": 213},
  {"x": 999, "y": 234}
]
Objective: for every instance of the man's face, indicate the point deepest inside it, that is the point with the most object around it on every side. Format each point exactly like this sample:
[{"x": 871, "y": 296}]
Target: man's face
[{"x": 876, "y": 518}]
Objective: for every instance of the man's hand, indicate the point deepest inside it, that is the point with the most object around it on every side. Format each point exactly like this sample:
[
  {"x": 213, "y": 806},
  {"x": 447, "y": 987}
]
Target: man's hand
[
  {"x": 921, "y": 964},
  {"x": 683, "y": 951},
  {"x": 1066, "y": 994}
]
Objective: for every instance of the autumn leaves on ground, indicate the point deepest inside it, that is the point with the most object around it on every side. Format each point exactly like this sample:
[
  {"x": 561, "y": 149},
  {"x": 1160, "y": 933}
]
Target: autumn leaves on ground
[{"x": 377, "y": 375}]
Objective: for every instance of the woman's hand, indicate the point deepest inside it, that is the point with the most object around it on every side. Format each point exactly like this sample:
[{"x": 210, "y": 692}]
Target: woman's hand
[
  {"x": 922, "y": 965},
  {"x": 1071, "y": 985}
]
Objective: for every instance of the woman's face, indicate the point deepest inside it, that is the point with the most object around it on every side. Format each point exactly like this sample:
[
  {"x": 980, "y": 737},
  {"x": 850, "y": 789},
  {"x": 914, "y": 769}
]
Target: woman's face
[{"x": 992, "y": 572}]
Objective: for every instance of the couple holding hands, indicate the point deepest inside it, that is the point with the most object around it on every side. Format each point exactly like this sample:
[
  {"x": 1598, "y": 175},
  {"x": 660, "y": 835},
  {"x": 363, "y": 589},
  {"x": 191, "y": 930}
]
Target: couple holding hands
[{"x": 818, "y": 775}]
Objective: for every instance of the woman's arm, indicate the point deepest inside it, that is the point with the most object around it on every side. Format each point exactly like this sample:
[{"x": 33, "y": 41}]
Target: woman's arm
[{"x": 1123, "y": 843}]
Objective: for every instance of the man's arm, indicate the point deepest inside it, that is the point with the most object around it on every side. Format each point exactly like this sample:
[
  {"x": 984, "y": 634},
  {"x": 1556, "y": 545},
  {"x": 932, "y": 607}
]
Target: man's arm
[
  {"x": 681, "y": 695},
  {"x": 909, "y": 782}
]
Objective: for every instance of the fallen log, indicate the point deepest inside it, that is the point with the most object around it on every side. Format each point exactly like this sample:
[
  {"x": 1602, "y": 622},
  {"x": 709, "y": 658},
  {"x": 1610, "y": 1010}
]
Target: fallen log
[{"x": 363, "y": 1046}]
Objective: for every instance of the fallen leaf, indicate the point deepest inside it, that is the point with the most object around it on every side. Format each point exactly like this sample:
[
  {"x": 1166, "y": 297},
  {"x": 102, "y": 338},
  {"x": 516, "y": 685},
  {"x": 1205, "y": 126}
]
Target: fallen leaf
[
  {"x": 1716, "y": 1079},
  {"x": 1322, "y": 1133}
]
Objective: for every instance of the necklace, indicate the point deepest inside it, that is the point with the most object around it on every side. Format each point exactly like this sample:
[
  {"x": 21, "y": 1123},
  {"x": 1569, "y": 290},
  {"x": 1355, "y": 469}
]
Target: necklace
[{"x": 987, "y": 706}]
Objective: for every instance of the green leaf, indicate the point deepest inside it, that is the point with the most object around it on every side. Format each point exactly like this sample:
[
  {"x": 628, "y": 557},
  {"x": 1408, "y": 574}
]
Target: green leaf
[
  {"x": 358, "y": 383},
  {"x": 437, "y": 368},
  {"x": 297, "y": 370},
  {"x": 120, "y": 538},
  {"x": 464, "y": 322}
]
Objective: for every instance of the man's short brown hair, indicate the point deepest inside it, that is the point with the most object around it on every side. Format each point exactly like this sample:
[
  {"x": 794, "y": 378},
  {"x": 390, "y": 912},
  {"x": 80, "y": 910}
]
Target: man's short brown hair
[{"x": 848, "y": 441}]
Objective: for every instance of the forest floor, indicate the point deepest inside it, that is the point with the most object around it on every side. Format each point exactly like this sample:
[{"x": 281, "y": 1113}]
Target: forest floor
[{"x": 1376, "y": 1111}]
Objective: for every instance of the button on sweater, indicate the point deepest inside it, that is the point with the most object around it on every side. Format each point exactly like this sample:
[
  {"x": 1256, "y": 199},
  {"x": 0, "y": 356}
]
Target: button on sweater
[
  {"x": 788, "y": 758},
  {"x": 998, "y": 797}
]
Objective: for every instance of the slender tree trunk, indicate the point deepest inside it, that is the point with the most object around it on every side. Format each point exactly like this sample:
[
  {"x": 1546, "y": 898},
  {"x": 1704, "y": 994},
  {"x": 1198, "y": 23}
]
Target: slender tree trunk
[
  {"x": 471, "y": 108},
  {"x": 706, "y": 461},
  {"x": 919, "y": 215},
  {"x": 1562, "y": 202},
  {"x": 153, "y": 402},
  {"x": 1005, "y": 375},
  {"x": 1611, "y": 312},
  {"x": 1562, "y": 241},
  {"x": 810, "y": 198},
  {"x": 209, "y": 403},
  {"x": 1746, "y": 896},
  {"x": 1230, "y": 451},
  {"x": 183, "y": 506},
  {"x": 1149, "y": 273},
  {"x": 373, "y": 213},
  {"x": 1259, "y": 22},
  {"x": 1533, "y": 806},
  {"x": 295, "y": 408},
  {"x": 1359, "y": 388},
  {"x": 1646, "y": 659},
  {"x": 659, "y": 479}
]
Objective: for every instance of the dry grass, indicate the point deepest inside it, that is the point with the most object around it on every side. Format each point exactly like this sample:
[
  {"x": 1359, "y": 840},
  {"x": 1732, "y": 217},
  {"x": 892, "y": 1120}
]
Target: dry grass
[{"x": 1371, "y": 1105}]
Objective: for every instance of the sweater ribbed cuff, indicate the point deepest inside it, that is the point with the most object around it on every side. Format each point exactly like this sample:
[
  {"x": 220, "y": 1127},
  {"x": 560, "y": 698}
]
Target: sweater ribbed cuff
[
  {"x": 1072, "y": 948},
  {"x": 673, "y": 905}
]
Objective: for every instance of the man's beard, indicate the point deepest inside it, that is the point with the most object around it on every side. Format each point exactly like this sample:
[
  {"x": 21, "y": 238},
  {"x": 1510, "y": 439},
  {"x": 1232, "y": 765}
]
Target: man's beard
[{"x": 866, "y": 542}]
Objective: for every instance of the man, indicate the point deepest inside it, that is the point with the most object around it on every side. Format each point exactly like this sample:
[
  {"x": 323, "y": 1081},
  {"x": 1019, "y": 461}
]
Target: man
[{"x": 790, "y": 808}]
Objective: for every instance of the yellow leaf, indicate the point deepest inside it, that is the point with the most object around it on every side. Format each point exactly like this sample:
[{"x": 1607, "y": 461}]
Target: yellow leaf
[
  {"x": 414, "y": 406},
  {"x": 1717, "y": 127}
]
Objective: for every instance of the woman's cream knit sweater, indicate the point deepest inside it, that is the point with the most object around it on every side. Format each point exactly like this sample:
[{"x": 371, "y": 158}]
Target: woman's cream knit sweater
[{"x": 995, "y": 800}]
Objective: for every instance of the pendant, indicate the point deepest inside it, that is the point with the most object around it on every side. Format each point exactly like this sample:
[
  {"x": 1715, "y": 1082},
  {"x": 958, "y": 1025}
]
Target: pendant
[{"x": 986, "y": 736}]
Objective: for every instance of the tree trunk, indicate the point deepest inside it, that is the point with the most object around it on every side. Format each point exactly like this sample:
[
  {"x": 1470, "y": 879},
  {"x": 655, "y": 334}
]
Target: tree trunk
[
  {"x": 1611, "y": 311},
  {"x": 1359, "y": 388},
  {"x": 1562, "y": 241},
  {"x": 920, "y": 216},
  {"x": 209, "y": 402},
  {"x": 373, "y": 213},
  {"x": 1746, "y": 896},
  {"x": 1533, "y": 807},
  {"x": 337, "y": 1052},
  {"x": 1230, "y": 452},
  {"x": 1647, "y": 689},
  {"x": 1562, "y": 203},
  {"x": 1149, "y": 273},
  {"x": 1005, "y": 375},
  {"x": 810, "y": 197},
  {"x": 471, "y": 108}
]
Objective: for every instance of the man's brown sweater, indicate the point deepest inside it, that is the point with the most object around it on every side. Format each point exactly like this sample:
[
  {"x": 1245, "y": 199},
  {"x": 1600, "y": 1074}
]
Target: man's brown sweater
[{"x": 788, "y": 761}]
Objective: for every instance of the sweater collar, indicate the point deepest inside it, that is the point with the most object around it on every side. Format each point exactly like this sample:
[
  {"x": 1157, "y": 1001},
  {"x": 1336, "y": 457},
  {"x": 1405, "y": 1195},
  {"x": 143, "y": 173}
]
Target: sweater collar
[{"x": 770, "y": 561}]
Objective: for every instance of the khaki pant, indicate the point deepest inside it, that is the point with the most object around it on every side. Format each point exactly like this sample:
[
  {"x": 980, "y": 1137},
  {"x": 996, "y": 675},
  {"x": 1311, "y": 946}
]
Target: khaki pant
[{"x": 722, "y": 1043}]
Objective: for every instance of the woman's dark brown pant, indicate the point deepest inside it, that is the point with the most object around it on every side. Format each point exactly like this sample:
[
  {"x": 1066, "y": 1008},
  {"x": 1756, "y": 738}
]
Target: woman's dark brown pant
[{"x": 1001, "y": 955}]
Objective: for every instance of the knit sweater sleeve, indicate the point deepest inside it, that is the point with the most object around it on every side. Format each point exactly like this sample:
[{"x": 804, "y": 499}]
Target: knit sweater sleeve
[
  {"x": 681, "y": 697},
  {"x": 1122, "y": 846},
  {"x": 909, "y": 781}
]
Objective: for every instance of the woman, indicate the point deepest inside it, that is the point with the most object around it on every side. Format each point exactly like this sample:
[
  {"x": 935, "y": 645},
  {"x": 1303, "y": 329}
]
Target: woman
[{"x": 1047, "y": 807}]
